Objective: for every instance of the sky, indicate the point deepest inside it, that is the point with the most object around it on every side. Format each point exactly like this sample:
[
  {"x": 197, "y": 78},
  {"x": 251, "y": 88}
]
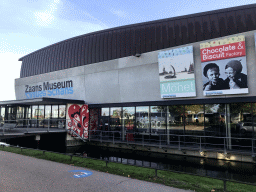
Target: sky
[{"x": 29, "y": 25}]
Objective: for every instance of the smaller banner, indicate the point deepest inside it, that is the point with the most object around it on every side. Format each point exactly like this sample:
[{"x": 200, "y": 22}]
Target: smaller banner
[
  {"x": 224, "y": 69},
  {"x": 78, "y": 119},
  {"x": 176, "y": 73}
]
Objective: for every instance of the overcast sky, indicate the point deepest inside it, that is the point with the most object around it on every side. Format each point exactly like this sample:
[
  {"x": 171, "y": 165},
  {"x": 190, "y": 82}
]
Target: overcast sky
[{"x": 28, "y": 25}]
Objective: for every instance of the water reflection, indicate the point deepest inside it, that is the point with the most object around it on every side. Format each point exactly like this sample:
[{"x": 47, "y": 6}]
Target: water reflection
[{"x": 205, "y": 167}]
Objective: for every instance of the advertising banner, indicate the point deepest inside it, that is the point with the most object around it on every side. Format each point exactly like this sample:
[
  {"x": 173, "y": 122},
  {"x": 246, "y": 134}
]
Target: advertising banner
[
  {"x": 224, "y": 69},
  {"x": 176, "y": 73},
  {"x": 78, "y": 120}
]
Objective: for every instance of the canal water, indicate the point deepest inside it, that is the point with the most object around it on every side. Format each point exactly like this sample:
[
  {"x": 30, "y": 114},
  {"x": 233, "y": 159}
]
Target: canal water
[{"x": 219, "y": 169}]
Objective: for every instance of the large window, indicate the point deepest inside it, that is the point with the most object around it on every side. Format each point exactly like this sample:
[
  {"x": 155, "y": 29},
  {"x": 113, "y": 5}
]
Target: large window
[
  {"x": 194, "y": 119},
  {"x": 55, "y": 116},
  {"x": 142, "y": 119},
  {"x": 20, "y": 116},
  {"x": 55, "y": 111},
  {"x": 241, "y": 119},
  {"x": 41, "y": 115},
  {"x": 28, "y": 116},
  {"x": 158, "y": 123},
  {"x": 94, "y": 123},
  {"x": 115, "y": 122},
  {"x": 215, "y": 119},
  {"x": 2, "y": 115},
  {"x": 128, "y": 123},
  {"x": 34, "y": 122},
  {"x": 48, "y": 115},
  {"x": 175, "y": 123},
  {"x": 12, "y": 111},
  {"x": 104, "y": 122},
  {"x": 62, "y": 116},
  {"x": 142, "y": 124}
]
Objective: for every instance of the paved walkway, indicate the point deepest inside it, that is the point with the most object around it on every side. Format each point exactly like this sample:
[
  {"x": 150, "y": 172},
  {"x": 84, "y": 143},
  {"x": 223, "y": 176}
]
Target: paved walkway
[{"x": 21, "y": 173}]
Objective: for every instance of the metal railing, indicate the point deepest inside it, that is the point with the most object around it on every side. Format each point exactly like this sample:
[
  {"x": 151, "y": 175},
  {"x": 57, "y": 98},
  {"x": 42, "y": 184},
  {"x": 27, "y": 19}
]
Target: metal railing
[
  {"x": 161, "y": 140},
  {"x": 196, "y": 142},
  {"x": 76, "y": 134},
  {"x": 28, "y": 124}
]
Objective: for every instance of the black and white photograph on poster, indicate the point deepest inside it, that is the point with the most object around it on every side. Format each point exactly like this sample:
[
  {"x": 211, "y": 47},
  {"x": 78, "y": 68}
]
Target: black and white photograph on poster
[{"x": 228, "y": 76}]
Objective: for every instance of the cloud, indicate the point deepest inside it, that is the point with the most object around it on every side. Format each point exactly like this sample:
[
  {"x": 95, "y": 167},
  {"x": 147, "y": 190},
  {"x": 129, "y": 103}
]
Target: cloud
[
  {"x": 21, "y": 43},
  {"x": 10, "y": 70},
  {"x": 119, "y": 13},
  {"x": 46, "y": 17}
]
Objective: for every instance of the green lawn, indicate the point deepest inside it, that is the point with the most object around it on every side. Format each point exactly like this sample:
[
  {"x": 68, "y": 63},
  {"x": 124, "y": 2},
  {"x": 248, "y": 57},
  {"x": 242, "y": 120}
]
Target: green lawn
[{"x": 183, "y": 181}]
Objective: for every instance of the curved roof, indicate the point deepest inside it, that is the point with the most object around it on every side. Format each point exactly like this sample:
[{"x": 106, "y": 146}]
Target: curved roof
[{"x": 138, "y": 38}]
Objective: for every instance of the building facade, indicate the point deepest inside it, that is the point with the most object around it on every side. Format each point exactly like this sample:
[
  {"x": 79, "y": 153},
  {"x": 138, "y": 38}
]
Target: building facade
[{"x": 184, "y": 81}]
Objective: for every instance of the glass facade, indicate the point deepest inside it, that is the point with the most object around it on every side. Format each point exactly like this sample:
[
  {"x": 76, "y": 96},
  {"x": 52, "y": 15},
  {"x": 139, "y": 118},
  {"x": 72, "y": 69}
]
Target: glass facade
[
  {"x": 34, "y": 116},
  {"x": 215, "y": 125},
  {"x": 231, "y": 125}
]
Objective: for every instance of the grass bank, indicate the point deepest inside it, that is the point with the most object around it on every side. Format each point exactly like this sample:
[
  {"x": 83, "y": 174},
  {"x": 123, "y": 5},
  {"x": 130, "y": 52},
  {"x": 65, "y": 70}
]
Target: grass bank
[{"x": 178, "y": 180}]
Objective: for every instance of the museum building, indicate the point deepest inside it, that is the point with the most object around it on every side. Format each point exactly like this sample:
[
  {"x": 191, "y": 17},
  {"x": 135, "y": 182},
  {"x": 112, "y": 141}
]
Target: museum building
[{"x": 187, "y": 81}]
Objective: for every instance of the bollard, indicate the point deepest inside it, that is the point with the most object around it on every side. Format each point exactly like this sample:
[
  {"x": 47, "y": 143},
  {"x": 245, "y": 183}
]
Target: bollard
[
  {"x": 179, "y": 143},
  {"x": 225, "y": 180},
  {"x": 156, "y": 172},
  {"x": 106, "y": 163},
  {"x": 43, "y": 152},
  {"x": 21, "y": 149},
  {"x": 71, "y": 157},
  {"x": 225, "y": 184}
]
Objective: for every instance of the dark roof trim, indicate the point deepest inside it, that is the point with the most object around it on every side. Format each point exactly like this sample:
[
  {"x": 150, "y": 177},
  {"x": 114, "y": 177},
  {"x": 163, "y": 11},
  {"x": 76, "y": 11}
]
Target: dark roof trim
[
  {"x": 180, "y": 102},
  {"x": 149, "y": 23},
  {"x": 41, "y": 101}
]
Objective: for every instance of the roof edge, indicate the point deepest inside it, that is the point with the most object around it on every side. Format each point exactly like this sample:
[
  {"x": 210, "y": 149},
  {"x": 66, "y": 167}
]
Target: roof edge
[{"x": 147, "y": 23}]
